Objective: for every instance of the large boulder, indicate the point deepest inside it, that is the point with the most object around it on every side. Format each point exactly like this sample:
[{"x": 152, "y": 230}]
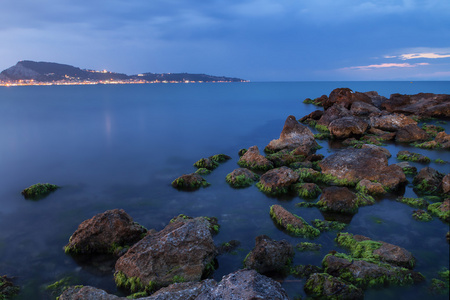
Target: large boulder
[
  {"x": 277, "y": 181},
  {"x": 345, "y": 97},
  {"x": 347, "y": 126},
  {"x": 354, "y": 165},
  {"x": 182, "y": 290},
  {"x": 270, "y": 256},
  {"x": 245, "y": 285},
  {"x": 333, "y": 113},
  {"x": 411, "y": 133},
  {"x": 363, "y": 109},
  {"x": 105, "y": 233},
  {"x": 391, "y": 122},
  {"x": 241, "y": 178},
  {"x": 424, "y": 104},
  {"x": 191, "y": 181},
  {"x": 253, "y": 160},
  {"x": 85, "y": 293},
  {"x": 183, "y": 250},
  {"x": 338, "y": 199},
  {"x": 325, "y": 286},
  {"x": 294, "y": 136}
]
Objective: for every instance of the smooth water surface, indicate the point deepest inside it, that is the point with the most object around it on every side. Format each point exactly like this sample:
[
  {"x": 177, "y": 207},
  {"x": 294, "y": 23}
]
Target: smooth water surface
[{"x": 120, "y": 146}]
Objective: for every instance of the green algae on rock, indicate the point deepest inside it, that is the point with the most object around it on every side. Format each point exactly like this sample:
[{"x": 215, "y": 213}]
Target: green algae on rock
[
  {"x": 191, "y": 181},
  {"x": 307, "y": 190},
  {"x": 324, "y": 225},
  {"x": 39, "y": 190},
  {"x": 241, "y": 178},
  {"x": 326, "y": 286},
  {"x": 277, "y": 181},
  {"x": 421, "y": 215},
  {"x": 306, "y": 246},
  {"x": 292, "y": 223},
  {"x": 414, "y": 202},
  {"x": 411, "y": 156},
  {"x": 441, "y": 209}
]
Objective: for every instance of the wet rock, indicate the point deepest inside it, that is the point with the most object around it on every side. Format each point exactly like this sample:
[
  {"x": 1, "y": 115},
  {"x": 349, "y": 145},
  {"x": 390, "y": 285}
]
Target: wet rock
[
  {"x": 333, "y": 113},
  {"x": 373, "y": 188},
  {"x": 411, "y": 156},
  {"x": 206, "y": 163},
  {"x": 407, "y": 168},
  {"x": 363, "y": 109},
  {"x": 253, "y": 160},
  {"x": 392, "y": 122},
  {"x": 183, "y": 250},
  {"x": 191, "y": 181},
  {"x": 105, "y": 233},
  {"x": 307, "y": 190},
  {"x": 228, "y": 247},
  {"x": 347, "y": 126},
  {"x": 305, "y": 270},
  {"x": 285, "y": 158},
  {"x": 85, "y": 293},
  {"x": 294, "y": 136},
  {"x": 325, "y": 286},
  {"x": 441, "y": 209},
  {"x": 423, "y": 104},
  {"x": 428, "y": 181},
  {"x": 39, "y": 190},
  {"x": 445, "y": 184},
  {"x": 443, "y": 139},
  {"x": 411, "y": 133},
  {"x": 245, "y": 285},
  {"x": 314, "y": 116},
  {"x": 376, "y": 99},
  {"x": 368, "y": 274},
  {"x": 378, "y": 149},
  {"x": 293, "y": 224},
  {"x": 345, "y": 97},
  {"x": 270, "y": 256},
  {"x": 241, "y": 178},
  {"x": 183, "y": 290},
  {"x": 7, "y": 288},
  {"x": 338, "y": 199},
  {"x": 421, "y": 215},
  {"x": 354, "y": 165},
  {"x": 277, "y": 181}
]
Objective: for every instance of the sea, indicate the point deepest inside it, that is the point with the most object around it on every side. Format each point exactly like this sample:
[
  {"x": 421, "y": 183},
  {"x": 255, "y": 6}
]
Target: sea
[{"x": 121, "y": 146}]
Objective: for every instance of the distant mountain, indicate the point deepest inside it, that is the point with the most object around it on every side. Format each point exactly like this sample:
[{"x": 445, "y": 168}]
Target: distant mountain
[{"x": 53, "y": 72}]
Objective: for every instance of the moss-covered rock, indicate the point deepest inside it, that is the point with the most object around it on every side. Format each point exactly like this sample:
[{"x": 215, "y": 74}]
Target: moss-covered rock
[
  {"x": 428, "y": 182},
  {"x": 292, "y": 223},
  {"x": 277, "y": 181},
  {"x": 7, "y": 288},
  {"x": 411, "y": 156},
  {"x": 324, "y": 225},
  {"x": 325, "y": 286},
  {"x": 285, "y": 158},
  {"x": 206, "y": 163},
  {"x": 338, "y": 199},
  {"x": 307, "y": 190},
  {"x": 306, "y": 246},
  {"x": 191, "y": 181},
  {"x": 414, "y": 202},
  {"x": 421, "y": 215},
  {"x": 441, "y": 209},
  {"x": 253, "y": 160},
  {"x": 39, "y": 190},
  {"x": 241, "y": 178}
]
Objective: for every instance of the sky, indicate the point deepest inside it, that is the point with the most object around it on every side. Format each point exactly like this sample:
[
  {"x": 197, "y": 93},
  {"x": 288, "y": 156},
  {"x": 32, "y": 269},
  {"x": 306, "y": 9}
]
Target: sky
[{"x": 257, "y": 40}]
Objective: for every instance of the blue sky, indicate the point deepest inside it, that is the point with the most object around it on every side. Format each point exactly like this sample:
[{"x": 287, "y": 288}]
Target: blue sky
[{"x": 258, "y": 40}]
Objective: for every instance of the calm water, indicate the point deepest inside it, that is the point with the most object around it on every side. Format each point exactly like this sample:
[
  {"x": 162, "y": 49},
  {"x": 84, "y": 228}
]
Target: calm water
[{"x": 121, "y": 146}]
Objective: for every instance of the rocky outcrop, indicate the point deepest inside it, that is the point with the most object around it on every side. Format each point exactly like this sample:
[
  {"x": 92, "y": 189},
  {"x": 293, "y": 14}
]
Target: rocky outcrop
[
  {"x": 325, "y": 286},
  {"x": 253, "y": 160},
  {"x": 391, "y": 122},
  {"x": 443, "y": 139},
  {"x": 428, "y": 181},
  {"x": 294, "y": 136},
  {"x": 411, "y": 133},
  {"x": 245, "y": 285},
  {"x": 191, "y": 181},
  {"x": 333, "y": 113},
  {"x": 347, "y": 126},
  {"x": 241, "y": 178},
  {"x": 277, "y": 181},
  {"x": 338, "y": 199},
  {"x": 354, "y": 165},
  {"x": 363, "y": 109},
  {"x": 105, "y": 233},
  {"x": 270, "y": 256},
  {"x": 345, "y": 97},
  {"x": 184, "y": 249},
  {"x": 423, "y": 104}
]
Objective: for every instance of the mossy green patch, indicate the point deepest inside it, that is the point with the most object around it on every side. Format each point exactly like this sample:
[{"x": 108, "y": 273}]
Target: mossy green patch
[
  {"x": 421, "y": 215},
  {"x": 273, "y": 191},
  {"x": 434, "y": 209},
  {"x": 305, "y": 230},
  {"x": 284, "y": 158},
  {"x": 414, "y": 202},
  {"x": 220, "y": 157},
  {"x": 203, "y": 171},
  {"x": 306, "y": 246},
  {"x": 133, "y": 284},
  {"x": 322, "y": 136},
  {"x": 305, "y": 191},
  {"x": 415, "y": 157},
  {"x": 359, "y": 249},
  {"x": 39, "y": 190},
  {"x": 240, "y": 181},
  {"x": 363, "y": 199},
  {"x": 206, "y": 163},
  {"x": 324, "y": 225}
]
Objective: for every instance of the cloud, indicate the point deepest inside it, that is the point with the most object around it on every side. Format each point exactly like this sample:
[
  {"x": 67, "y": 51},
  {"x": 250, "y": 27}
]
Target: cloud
[
  {"x": 422, "y": 55},
  {"x": 386, "y": 65}
]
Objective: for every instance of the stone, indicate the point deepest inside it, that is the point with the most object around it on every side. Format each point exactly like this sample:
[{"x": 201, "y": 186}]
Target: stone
[
  {"x": 294, "y": 136},
  {"x": 7, "y": 288},
  {"x": 378, "y": 149},
  {"x": 376, "y": 99},
  {"x": 105, "y": 233},
  {"x": 253, "y": 160},
  {"x": 411, "y": 133},
  {"x": 277, "y": 181},
  {"x": 293, "y": 224},
  {"x": 338, "y": 199},
  {"x": 86, "y": 293},
  {"x": 347, "y": 126},
  {"x": 446, "y": 184},
  {"x": 333, "y": 113},
  {"x": 325, "y": 286},
  {"x": 373, "y": 188},
  {"x": 241, "y": 177},
  {"x": 182, "y": 290},
  {"x": 191, "y": 181},
  {"x": 428, "y": 181},
  {"x": 443, "y": 139},
  {"x": 270, "y": 256},
  {"x": 391, "y": 122},
  {"x": 354, "y": 165},
  {"x": 184, "y": 249},
  {"x": 345, "y": 97},
  {"x": 245, "y": 285},
  {"x": 411, "y": 156},
  {"x": 315, "y": 115},
  {"x": 363, "y": 109},
  {"x": 423, "y": 104}
]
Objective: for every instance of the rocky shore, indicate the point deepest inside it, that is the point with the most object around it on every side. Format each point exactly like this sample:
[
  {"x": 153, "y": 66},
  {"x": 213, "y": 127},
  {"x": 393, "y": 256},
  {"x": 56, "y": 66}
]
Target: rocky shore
[{"x": 177, "y": 262}]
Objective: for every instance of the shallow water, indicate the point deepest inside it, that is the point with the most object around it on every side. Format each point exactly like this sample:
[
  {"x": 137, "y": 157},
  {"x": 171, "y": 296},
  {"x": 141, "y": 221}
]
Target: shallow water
[{"x": 121, "y": 147}]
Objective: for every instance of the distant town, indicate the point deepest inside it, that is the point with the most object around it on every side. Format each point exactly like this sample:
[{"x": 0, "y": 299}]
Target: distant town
[{"x": 30, "y": 73}]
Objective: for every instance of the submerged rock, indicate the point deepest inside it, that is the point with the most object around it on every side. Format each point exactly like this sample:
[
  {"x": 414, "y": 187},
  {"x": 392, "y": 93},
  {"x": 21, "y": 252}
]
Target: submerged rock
[
  {"x": 270, "y": 256},
  {"x": 183, "y": 250},
  {"x": 294, "y": 136},
  {"x": 338, "y": 199},
  {"x": 7, "y": 288},
  {"x": 106, "y": 232},
  {"x": 245, "y": 285},
  {"x": 277, "y": 181},
  {"x": 39, "y": 190},
  {"x": 253, "y": 160},
  {"x": 441, "y": 209},
  {"x": 428, "y": 181},
  {"x": 325, "y": 286},
  {"x": 241, "y": 177},
  {"x": 411, "y": 156},
  {"x": 293, "y": 224}
]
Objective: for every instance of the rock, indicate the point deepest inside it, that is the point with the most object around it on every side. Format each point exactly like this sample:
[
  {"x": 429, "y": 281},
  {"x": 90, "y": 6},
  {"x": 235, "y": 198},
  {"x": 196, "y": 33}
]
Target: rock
[
  {"x": 345, "y": 97},
  {"x": 293, "y": 224},
  {"x": 347, "y": 126},
  {"x": 241, "y": 177},
  {"x": 333, "y": 113},
  {"x": 407, "y": 168},
  {"x": 428, "y": 181},
  {"x": 183, "y": 290},
  {"x": 443, "y": 139},
  {"x": 376, "y": 99},
  {"x": 354, "y": 165},
  {"x": 325, "y": 286},
  {"x": 305, "y": 270},
  {"x": 423, "y": 104},
  {"x": 253, "y": 160},
  {"x": 307, "y": 190},
  {"x": 373, "y": 188},
  {"x": 206, "y": 163},
  {"x": 105, "y": 233},
  {"x": 285, "y": 158},
  {"x": 183, "y": 250},
  {"x": 191, "y": 181},
  {"x": 245, "y": 285},
  {"x": 7, "y": 288},
  {"x": 39, "y": 190},
  {"x": 411, "y": 133},
  {"x": 277, "y": 181},
  {"x": 411, "y": 156},
  {"x": 86, "y": 293},
  {"x": 338, "y": 199},
  {"x": 367, "y": 274},
  {"x": 270, "y": 256},
  {"x": 392, "y": 122},
  {"x": 363, "y": 109},
  {"x": 446, "y": 184},
  {"x": 228, "y": 247},
  {"x": 441, "y": 209},
  {"x": 315, "y": 115},
  {"x": 378, "y": 149},
  {"x": 294, "y": 136}
]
